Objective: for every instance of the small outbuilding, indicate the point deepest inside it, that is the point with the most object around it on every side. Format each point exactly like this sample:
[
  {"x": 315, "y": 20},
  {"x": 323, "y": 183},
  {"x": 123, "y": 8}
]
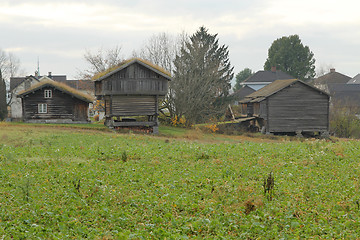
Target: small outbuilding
[
  {"x": 131, "y": 92},
  {"x": 53, "y": 102},
  {"x": 288, "y": 106}
]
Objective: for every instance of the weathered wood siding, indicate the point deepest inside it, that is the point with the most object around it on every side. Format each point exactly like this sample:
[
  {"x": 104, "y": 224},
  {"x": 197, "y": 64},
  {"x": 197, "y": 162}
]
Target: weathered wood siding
[
  {"x": 131, "y": 105},
  {"x": 60, "y": 106},
  {"x": 135, "y": 79},
  {"x": 297, "y": 108}
]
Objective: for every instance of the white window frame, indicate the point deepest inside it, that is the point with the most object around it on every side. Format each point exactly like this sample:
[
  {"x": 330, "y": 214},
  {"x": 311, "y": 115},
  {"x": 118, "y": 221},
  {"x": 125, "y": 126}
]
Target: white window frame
[
  {"x": 42, "y": 108},
  {"x": 47, "y": 94}
]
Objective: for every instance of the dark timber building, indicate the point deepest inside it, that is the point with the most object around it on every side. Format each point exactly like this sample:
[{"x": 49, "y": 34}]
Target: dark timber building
[
  {"x": 131, "y": 90},
  {"x": 53, "y": 102},
  {"x": 286, "y": 106}
]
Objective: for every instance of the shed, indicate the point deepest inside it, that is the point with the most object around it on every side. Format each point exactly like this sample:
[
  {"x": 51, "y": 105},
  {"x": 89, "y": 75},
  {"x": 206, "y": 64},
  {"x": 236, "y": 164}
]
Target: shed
[
  {"x": 286, "y": 106},
  {"x": 53, "y": 102},
  {"x": 130, "y": 90}
]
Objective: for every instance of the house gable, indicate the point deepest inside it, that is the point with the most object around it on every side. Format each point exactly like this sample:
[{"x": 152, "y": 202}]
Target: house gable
[
  {"x": 298, "y": 107},
  {"x": 49, "y": 101},
  {"x": 135, "y": 77},
  {"x": 261, "y": 79}
]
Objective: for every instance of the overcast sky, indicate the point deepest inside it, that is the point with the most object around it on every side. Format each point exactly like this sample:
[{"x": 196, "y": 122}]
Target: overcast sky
[{"x": 59, "y": 32}]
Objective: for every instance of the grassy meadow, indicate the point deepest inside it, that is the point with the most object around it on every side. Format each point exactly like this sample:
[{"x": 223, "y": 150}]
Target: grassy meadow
[{"x": 77, "y": 182}]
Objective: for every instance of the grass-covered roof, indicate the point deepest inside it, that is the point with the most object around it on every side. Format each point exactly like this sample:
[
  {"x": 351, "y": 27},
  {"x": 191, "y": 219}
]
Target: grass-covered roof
[
  {"x": 273, "y": 88},
  {"x": 59, "y": 86},
  {"x": 126, "y": 63}
]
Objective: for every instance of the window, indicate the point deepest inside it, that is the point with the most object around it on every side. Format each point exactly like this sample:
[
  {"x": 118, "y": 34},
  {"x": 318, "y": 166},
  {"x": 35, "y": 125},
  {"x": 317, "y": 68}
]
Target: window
[
  {"x": 47, "y": 94},
  {"x": 42, "y": 107}
]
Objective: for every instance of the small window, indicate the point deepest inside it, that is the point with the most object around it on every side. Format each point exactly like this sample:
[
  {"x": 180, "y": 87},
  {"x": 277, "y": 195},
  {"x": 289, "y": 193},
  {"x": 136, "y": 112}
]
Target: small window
[
  {"x": 42, "y": 108},
  {"x": 48, "y": 94}
]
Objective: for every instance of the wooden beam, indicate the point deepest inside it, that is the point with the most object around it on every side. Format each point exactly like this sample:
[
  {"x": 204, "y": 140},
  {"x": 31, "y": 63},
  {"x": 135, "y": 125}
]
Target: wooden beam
[{"x": 134, "y": 124}]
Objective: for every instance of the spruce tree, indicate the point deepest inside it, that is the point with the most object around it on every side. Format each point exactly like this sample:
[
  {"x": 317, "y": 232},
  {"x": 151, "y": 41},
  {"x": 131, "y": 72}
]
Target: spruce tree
[
  {"x": 3, "y": 105},
  {"x": 202, "y": 78},
  {"x": 242, "y": 76}
]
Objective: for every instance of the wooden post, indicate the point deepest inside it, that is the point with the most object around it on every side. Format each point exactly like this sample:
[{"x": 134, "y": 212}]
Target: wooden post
[
  {"x": 232, "y": 113},
  {"x": 156, "y": 109}
]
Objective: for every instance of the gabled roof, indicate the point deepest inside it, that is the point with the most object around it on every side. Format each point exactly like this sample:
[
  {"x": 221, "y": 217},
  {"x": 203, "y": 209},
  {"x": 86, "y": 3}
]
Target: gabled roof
[
  {"x": 354, "y": 80},
  {"x": 59, "y": 86},
  {"x": 273, "y": 88},
  {"x": 348, "y": 94},
  {"x": 126, "y": 63},
  {"x": 242, "y": 92},
  {"x": 267, "y": 76},
  {"x": 332, "y": 77},
  {"x": 16, "y": 81}
]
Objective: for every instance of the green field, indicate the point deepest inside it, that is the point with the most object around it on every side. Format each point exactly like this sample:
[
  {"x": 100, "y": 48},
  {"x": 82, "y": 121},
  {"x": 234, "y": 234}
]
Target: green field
[{"x": 87, "y": 182}]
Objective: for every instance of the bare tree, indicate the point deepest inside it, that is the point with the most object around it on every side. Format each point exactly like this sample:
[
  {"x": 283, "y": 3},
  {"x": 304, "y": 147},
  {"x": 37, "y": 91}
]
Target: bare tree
[
  {"x": 161, "y": 49},
  {"x": 101, "y": 61},
  {"x": 14, "y": 65},
  {"x": 323, "y": 69},
  {"x": 9, "y": 67},
  {"x": 3, "y": 63}
]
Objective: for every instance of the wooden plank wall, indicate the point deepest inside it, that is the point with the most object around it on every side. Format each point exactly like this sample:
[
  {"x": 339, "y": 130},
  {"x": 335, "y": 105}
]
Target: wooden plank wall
[
  {"x": 298, "y": 108},
  {"x": 133, "y": 105},
  {"x": 135, "y": 79},
  {"x": 60, "y": 106}
]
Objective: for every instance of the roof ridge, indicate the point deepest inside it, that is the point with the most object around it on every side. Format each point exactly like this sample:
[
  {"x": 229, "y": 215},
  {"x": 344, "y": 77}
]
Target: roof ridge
[
  {"x": 125, "y": 63},
  {"x": 60, "y": 86}
]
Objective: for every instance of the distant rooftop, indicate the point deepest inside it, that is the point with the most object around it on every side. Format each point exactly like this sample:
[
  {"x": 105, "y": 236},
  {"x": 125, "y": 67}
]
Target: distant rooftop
[
  {"x": 267, "y": 76},
  {"x": 332, "y": 77},
  {"x": 77, "y": 84},
  {"x": 354, "y": 80}
]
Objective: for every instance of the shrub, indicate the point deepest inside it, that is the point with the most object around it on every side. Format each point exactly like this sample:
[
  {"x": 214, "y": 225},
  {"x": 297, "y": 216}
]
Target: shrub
[{"x": 344, "y": 122}]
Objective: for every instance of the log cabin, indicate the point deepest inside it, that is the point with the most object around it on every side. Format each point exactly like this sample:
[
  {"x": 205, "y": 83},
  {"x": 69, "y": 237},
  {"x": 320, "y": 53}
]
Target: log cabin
[
  {"x": 131, "y": 90},
  {"x": 53, "y": 102},
  {"x": 289, "y": 106}
]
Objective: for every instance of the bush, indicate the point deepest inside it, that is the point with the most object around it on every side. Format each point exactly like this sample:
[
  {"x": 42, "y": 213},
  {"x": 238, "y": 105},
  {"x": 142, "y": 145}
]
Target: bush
[{"x": 344, "y": 123}]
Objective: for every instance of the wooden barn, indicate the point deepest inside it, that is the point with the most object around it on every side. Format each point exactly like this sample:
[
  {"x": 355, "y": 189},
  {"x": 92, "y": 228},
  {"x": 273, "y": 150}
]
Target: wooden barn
[
  {"x": 53, "y": 102},
  {"x": 130, "y": 90},
  {"x": 289, "y": 106}
]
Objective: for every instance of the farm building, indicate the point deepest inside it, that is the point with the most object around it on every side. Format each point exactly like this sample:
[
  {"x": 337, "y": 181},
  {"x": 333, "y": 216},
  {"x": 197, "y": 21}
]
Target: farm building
[
  {"x": 18, "y": 84},
  {"x": 53, "y": 102},
  {"x": 289, "y": 106},
  {"x": 130, "y": 90}
]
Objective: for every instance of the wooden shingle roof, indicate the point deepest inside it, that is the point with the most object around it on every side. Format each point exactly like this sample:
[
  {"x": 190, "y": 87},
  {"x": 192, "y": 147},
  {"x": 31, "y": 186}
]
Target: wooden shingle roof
[
  {"x": 273, "y": 88},
  {"x": 59, "y": 86},
  {"x": 126, "y": 63}
]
